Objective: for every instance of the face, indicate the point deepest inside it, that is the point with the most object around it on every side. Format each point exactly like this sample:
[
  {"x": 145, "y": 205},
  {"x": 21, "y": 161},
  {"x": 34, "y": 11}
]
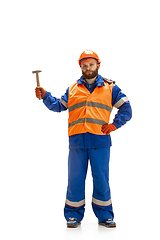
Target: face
[{"x": 89, "y": 68}]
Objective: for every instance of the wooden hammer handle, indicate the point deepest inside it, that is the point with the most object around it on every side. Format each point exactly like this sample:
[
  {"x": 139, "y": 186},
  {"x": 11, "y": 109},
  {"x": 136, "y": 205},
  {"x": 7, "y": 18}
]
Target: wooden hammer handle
[{"x": 38, "y": 83}]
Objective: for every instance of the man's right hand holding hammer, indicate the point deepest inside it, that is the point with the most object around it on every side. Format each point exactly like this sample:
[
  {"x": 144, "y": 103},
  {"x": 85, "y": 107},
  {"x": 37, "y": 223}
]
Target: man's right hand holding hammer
[{"x": 40, "y": 92}]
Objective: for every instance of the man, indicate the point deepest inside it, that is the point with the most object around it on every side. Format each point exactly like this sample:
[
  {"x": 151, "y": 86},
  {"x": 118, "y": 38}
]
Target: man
[{"x": 89, "y": 101}]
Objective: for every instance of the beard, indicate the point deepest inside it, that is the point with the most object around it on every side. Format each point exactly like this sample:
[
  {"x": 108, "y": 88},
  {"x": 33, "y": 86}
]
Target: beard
[{"x": 90, "y": 75}]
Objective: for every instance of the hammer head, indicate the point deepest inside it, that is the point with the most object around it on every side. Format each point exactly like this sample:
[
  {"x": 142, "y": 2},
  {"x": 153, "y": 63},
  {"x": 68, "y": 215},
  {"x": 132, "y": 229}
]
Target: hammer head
[{"x": 37, "y": 71}]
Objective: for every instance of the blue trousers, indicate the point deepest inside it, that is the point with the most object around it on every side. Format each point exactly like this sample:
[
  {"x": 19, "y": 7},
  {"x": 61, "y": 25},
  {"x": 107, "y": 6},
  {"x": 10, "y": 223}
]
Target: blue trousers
[{"x": 77, "y": 170}]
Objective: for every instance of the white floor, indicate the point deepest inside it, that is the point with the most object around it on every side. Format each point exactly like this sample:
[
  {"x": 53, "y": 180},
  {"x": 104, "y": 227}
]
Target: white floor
[{"x": 48, "y": 227}]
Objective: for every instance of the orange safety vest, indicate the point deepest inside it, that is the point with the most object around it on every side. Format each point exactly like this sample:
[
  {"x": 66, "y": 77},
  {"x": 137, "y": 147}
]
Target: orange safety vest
[{"x": 89, "y": 111}]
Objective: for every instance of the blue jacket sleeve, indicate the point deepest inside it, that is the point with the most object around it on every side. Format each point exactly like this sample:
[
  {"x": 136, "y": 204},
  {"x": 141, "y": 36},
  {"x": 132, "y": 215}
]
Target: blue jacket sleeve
[
  {"x": 121, "y": 102},
  {"x": 56, "y": 104}
]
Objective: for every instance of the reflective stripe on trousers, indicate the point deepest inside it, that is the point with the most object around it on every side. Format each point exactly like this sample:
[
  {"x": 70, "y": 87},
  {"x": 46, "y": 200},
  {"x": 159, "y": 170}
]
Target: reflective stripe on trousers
[
  {"x": 75, "y": 204},
  {"x": 102, "y": 203}
]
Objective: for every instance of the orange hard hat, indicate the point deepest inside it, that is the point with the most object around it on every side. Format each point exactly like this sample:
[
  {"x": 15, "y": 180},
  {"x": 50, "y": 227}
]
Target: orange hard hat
[{"x": 88, "y": 54}]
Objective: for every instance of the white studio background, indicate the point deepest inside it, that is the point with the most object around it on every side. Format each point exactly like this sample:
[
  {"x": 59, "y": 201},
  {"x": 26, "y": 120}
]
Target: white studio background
[{"x": 50, "y": 36}]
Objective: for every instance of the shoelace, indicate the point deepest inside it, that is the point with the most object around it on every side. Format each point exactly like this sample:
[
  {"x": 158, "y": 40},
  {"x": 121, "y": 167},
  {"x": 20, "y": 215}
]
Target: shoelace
[
  {"x": 72, "y": 220},
  {"x": 109, "y": 220}
]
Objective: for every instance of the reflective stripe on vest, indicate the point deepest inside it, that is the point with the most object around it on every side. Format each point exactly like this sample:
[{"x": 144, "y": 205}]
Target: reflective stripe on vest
[
  {"x": 89, "y": 111},
  {"x": 87, "y": 120},
  {"x": 90, "y": 104}
]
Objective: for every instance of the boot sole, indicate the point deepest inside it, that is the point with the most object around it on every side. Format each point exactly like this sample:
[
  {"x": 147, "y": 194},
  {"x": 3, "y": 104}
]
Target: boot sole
[
  {"x": 73, "y": 226},
  {"x": 113, "y": 225}
]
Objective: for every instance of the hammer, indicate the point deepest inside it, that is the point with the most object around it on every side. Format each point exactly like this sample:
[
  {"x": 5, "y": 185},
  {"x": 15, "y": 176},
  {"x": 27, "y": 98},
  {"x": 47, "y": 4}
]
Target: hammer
[{"x": 37, "y": 78}]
